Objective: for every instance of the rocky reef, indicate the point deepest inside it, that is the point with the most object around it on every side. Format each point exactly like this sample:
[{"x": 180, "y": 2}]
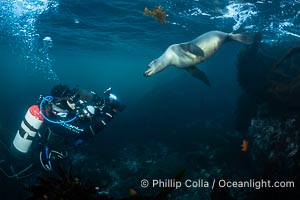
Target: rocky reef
[
  {"x": 275, "y": 143},
  {"x": 269, "y": 79},
  {"x": 268, "y": 113}
]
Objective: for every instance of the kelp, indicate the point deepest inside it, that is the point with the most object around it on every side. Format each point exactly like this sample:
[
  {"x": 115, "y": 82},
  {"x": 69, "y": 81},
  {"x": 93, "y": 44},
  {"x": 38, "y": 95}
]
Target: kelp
[{"x": 158, "y": 13}]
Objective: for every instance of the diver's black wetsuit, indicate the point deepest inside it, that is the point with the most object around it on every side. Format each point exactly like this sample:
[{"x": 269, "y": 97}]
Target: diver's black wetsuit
[
  {"x": 83, "y": 127},
  {"x": 57, "y": 138},
  {"x": 67, "y": 118}
]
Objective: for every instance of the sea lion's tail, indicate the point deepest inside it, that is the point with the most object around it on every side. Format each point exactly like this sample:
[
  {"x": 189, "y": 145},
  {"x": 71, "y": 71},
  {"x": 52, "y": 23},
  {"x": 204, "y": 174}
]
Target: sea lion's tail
[{"x": 245, "y": 38}]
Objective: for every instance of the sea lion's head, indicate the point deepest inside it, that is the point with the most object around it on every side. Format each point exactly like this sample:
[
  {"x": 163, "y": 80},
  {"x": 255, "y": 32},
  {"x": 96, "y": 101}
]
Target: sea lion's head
[{"x": 154, "y": 67}]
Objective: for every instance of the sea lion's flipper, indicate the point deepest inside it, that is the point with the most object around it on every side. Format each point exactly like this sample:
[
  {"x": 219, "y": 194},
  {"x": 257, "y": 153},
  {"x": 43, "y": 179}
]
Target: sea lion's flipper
[
  {"x": 245, "y": 38},
  {"x": 197, "y": 73},
  {"x": 192, "y": 48}
]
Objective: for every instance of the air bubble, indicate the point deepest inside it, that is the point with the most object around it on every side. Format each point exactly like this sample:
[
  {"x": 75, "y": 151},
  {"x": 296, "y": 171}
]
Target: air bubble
[{"x": 18, "y": 19}]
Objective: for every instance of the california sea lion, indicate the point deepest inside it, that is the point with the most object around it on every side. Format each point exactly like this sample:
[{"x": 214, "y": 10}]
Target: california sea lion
[{"x": 187, "y": 55}]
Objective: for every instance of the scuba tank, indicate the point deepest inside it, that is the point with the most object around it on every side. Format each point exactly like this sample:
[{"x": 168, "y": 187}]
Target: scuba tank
[{"x": 28, "y": 129}]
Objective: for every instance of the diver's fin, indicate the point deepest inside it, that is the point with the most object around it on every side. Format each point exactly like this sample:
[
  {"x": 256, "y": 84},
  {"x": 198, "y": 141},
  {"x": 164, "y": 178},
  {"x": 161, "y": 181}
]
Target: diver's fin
[
  {"x": 197, "y": 73},
  {"x": 192, "y": 48}
]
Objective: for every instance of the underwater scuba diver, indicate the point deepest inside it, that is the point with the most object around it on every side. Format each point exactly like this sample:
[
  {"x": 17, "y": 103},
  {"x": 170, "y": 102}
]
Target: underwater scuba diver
[{"x": 56, "y": 125}]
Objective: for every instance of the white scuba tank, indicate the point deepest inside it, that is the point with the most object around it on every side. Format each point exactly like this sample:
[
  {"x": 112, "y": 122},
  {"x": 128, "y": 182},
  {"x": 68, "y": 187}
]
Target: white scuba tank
[{"x": 28, "y": 129}]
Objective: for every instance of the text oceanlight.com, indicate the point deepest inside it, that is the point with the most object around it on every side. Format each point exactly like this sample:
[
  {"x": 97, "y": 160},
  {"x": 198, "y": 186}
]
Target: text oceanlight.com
[{"x": 200, "y": 183}]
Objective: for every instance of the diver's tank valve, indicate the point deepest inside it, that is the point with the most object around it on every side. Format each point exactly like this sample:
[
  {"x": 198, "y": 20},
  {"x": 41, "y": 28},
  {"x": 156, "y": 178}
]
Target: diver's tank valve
[{"x": 28, "y": 129}]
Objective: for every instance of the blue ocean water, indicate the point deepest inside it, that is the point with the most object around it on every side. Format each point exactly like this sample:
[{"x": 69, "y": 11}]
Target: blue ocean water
[{"x": 98, "y": 44}]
